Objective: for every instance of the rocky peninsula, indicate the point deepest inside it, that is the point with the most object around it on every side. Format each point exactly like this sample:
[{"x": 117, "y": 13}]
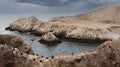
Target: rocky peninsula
[{"x": 97, "y": 26}]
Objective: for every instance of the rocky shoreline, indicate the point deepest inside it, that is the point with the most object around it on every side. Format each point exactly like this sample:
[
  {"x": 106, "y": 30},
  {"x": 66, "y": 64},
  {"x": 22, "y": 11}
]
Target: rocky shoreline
[
  {"x": 107, "y": 54},
  {"x": 65, "y": 31},
  {"x": 16, "y": 42},
  {"x": 14, "y": 52},
  {"x": 73, "y": 29}
]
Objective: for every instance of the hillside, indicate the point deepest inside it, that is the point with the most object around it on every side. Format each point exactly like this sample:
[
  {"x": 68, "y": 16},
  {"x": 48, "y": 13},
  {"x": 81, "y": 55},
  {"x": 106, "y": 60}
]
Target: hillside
[{"x": 104, "y": 14}]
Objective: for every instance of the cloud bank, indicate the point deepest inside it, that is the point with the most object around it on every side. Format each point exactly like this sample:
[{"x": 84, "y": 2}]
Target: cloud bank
[
  {"x": 65, "y": 2},
  {"x": 49, "y": 2},
  {"x": 51, "y": 8}
]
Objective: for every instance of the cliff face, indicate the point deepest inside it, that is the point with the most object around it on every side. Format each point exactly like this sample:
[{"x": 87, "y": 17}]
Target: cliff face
[{"x": 25, "y": 25}]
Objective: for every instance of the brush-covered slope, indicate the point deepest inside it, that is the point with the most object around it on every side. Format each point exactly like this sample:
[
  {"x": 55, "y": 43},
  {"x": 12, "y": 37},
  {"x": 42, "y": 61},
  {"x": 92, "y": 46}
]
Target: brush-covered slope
[{"x": 104, "y": 14}]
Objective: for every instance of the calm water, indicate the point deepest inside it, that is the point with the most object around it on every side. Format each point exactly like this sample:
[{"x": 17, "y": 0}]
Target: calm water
[{"x": 64, "y": 48}]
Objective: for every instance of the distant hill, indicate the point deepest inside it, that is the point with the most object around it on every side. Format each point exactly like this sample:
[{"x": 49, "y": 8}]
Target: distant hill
[{"x": 105, "y": 14}]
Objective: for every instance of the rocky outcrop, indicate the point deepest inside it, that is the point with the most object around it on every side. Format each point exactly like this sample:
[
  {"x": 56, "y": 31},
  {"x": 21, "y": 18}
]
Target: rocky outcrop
[
  {"x": 49, "y": 38},
  {"x": 23, "y": 24},
  {"x": 81, "y": 28},
  {"x": 86, "y": 27},
  {"x": 16, "y": 42},
  {"x": 12, "y": 57}
]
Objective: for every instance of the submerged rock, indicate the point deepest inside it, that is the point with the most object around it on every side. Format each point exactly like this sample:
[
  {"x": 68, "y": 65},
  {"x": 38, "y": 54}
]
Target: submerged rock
[{"x": 49, "y": 38}]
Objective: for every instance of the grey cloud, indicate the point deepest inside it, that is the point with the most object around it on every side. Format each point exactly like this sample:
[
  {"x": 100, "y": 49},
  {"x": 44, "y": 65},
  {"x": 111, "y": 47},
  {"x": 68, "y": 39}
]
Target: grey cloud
[
  {"x": 67, "y": 2},
  {"x": 41, "y": 7},
  {"x": 49, "y": 2}
]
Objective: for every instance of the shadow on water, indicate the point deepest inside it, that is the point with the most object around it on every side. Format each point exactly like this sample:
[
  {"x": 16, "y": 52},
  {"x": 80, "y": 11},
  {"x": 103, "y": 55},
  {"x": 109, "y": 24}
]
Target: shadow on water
[{"x": 64, "y": 48}]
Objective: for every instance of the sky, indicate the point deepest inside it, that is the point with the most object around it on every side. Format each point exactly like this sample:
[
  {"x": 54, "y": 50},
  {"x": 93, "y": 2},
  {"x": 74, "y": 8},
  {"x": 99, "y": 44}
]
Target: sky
[{"x": 45, "y": 9}]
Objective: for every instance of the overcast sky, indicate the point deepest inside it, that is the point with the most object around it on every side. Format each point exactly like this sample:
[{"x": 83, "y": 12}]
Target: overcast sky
[{"x": 49, "y": 8}]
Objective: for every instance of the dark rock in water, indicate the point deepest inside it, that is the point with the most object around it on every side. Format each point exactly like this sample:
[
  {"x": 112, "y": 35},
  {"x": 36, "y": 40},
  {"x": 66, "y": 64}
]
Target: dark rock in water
[
  {"x": 36, "y": 54},
  {"x": 32, "y": 39},
  {"x": 46, "y": 58},
  {"x": 52, "y": 57},
  {"x": 7, "y": 28},
  {"x": 71, "y": 53},
  {"x": 42, "y": 57},
  {"x": 49, "y": 38}
]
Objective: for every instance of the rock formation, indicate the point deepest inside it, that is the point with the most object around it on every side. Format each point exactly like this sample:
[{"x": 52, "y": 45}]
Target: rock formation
[
  {"x": 16, "y": 42},
  {"x": 49, "y": 38},
  {"x": 14, "y": 52},
  {"x": 97, "y": 26},
  {"x": 23, "y": 24},
  {"x": 89, "y": 27},
  {"x": 12, "y": 57}
]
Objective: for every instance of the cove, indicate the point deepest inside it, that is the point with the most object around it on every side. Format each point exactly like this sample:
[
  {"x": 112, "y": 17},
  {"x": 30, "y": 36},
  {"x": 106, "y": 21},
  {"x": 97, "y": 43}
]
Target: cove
[{"x": 64, "y": 48}]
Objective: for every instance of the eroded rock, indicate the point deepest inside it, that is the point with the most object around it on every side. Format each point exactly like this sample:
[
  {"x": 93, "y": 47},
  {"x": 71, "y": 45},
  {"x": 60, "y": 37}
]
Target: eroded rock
[
  {"x": 49, "y": 38},
  {"x": 23, "y": 24}
]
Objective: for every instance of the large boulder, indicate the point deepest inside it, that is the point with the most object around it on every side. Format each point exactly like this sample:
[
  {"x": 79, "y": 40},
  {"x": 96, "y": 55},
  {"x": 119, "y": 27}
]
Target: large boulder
[
  {"x": 16, "y": 42},
  {"x": 49, "y": 38}
]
